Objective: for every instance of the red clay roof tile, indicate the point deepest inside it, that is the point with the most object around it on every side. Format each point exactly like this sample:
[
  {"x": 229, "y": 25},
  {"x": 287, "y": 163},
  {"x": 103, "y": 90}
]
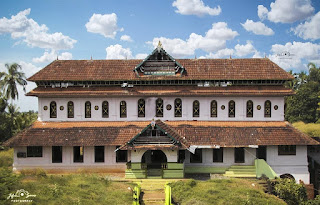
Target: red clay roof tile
[{"x": 196, "y": 69}]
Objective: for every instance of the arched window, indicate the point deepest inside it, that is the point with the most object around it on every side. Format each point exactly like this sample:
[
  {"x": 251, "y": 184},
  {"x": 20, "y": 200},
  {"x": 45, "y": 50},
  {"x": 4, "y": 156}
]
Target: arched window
[
  {"x": 159, "y": 107},
  {"x": 249, "y": 108},
  {"x": 232, "y": 108},
  {"x": 196, "y": 108},
  {"x": 141, "y": 108},
  {"x": 123, "y": 109},
  {"x": 105, "y": 109},
  {"x": 87, "y": 109},
  {"x": 178, "y": 107},
  {"x": 267, "y": 108},
  {"x": 70, "y": 109},
  {"x": 214, "y": 108},
  {"x": 53, "y": 109}
]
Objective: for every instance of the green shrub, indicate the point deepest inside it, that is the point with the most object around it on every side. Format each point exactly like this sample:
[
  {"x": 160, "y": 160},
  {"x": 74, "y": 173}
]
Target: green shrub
[
  {"x": 34, "y": 172},
  {"x": 6, "y": 158},
  {"x": 291, "y": 192},
  {"x": 315, "y": 201},
  {"x": 8, "y": 182}
]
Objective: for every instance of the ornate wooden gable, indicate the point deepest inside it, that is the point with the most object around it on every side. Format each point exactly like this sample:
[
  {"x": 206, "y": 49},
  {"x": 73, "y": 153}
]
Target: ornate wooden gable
[
  {"x": 158, "y": 63},
  {"x": 156, "y": 135}
]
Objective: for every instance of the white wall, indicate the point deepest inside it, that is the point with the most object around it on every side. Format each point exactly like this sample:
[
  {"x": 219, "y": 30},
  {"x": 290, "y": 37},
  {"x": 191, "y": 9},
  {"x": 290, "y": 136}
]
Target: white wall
[
  {"x": 172, "y": 155},
  {"x": 296, "y": 165},
  {"x": 132, "y": 110},
  {"x": 67, "y": 159},
  {"x": 228, "y": 158}
]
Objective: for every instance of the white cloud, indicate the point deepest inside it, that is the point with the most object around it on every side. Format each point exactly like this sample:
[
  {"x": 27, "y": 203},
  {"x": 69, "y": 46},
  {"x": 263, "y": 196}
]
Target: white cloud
[
  {"x": 262, "y": 12},
  {"x": 214, "y": 40},
  {"x": 310, "y": 29},
  {"x": 105, "y": 25},
  {"x": 126, "y": 38},
  {"x": 48, "y": 57},
  {"x": 244, "y": 50},
  {"x": 285, "y": 11},
  {"x": 223, "y": 53},
  {"x": 117, "y": 52},
  {"x": 195, "y": 7},
  {"x": 257, "y": 28},
  {"x": 297, "y": 53},
  {"x": 141, "y": 56},
  {"x": 33, "y": 34}
]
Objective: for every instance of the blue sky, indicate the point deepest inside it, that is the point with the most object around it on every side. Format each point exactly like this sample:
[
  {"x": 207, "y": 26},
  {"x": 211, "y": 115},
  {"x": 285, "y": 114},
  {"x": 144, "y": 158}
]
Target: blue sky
[{"x": 33, "y": 33}]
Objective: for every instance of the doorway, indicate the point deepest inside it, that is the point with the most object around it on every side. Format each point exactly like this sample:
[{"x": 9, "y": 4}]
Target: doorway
[
  {"x": 154, "y": 159},
  {"x": 262, "y": 152}
]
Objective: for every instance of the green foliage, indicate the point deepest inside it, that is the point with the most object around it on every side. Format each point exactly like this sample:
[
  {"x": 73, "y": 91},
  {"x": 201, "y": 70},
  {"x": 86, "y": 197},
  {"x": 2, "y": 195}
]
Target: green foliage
[
  {"x": 311, "y": 129},
  {"x": 221, "y": 191},
  {"x": 291, "y": 192},
  {"x": 8, "y": 182},
  {"x": 304, "y": 105},
  {"x": 6, "y": 158},
  {"x": 10, "y": 80},
  {"x": 12, "y": 122},
  {"x": 315, "y": 201}
]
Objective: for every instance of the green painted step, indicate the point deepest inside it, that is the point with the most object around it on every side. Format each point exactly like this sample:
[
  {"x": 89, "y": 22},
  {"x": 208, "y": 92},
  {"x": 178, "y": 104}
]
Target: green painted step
[{"x": 241, "y": 171}]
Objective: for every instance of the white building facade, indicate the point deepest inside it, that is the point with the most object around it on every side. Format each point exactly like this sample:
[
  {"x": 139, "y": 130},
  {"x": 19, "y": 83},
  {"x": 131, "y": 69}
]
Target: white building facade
[{"x": 163, "y": 117}]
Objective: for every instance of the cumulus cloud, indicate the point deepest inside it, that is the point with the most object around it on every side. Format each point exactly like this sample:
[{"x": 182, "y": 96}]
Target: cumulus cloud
[
  {"x": 296, "y": 54},
  {"x": 223, "y": 53},
  {"x": 195, "y": 7},
  {"x": 262, "y": 12},
  {"x": 285, "y": 11},
  {"x": 214, "y": 40},
  {"x": 126, "y": 38},
  {"x": 257, "y": 28},
  {"x": 105, "y": 25},
  {"x": 244, "y": 50},
  {"x": 310, "y": 29},
  {"x": 33, "y": 34},
  {"x": 48, "y": 57},
  {"x": 118, "y": 52}
]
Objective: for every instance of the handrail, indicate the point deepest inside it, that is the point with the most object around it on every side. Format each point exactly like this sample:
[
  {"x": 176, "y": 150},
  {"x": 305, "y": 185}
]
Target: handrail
[
  {"x": 167, "y": 191},
  {"x": 136, "y": 195},
  {"x": 263, "y": 168}
]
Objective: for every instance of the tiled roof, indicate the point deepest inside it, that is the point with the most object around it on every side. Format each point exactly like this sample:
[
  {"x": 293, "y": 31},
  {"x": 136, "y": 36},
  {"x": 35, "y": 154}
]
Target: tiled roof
[
  {"x": 162, "y": 91},
  {"x": 196, "y": 69},
  {"x": 240, "y": 134},
  {"x": 224, "y": 134}
]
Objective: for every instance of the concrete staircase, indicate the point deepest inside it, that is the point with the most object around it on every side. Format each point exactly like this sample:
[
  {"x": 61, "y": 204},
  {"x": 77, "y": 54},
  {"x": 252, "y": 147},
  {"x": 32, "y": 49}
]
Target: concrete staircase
[
  {"x": 241, "y": 171},
  {"x": 154, "y": 174},
  {"x": 153, "y": 191}
]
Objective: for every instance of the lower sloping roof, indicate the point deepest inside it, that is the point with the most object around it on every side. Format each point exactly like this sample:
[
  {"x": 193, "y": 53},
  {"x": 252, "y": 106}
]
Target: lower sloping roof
[{"x": 210, "y": 133}]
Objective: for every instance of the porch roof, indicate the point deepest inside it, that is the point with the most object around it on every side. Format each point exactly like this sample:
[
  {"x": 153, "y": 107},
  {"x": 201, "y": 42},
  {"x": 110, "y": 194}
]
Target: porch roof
[{"x": 206, "y": 133}]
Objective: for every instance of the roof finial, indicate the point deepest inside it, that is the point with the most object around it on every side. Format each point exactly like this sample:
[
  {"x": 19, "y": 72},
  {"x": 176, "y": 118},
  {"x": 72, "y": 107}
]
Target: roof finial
[
  {"x": 195, "y": 56},
  {"x": 160, "y": 44},
  {"x": 57, "y": 57},
  {"x": 91, "y": 57},
  {"x": 265, "y": 56},
  {"x": 230, "y": 56}
]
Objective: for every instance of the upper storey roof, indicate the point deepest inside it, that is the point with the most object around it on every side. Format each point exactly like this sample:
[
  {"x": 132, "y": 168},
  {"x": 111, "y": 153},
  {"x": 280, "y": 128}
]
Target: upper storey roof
[{"x": 161, "y": 66}]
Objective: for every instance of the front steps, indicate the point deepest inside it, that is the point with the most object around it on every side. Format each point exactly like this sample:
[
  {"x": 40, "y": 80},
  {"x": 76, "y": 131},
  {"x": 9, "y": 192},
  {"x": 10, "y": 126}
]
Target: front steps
[
  {"x": 241, "y": 171},
  {"x": 153, "y": 190}
]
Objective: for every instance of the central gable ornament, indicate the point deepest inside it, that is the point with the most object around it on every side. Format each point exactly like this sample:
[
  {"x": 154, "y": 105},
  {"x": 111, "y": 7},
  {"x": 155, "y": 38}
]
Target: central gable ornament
[{"x": 159, "y": 63}]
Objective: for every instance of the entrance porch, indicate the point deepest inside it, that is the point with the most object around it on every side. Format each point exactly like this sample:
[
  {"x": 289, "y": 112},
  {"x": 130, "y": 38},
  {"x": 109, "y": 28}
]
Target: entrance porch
[{"x": 154, "y": 164}]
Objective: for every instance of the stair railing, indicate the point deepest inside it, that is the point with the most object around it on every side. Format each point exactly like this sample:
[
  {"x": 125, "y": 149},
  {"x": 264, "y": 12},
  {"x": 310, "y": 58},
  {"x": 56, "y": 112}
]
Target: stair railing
[{"x": 167, "y": 190}]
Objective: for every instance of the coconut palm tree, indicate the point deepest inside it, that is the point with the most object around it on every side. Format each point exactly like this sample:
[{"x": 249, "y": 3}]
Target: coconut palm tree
[{"x": 10, "y": 80}]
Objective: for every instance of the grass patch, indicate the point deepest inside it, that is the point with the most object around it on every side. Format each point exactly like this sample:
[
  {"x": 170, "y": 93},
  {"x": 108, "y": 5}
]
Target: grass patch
[
  {"x": 74, "y": 189},
  {"x": 311, "y": 129},
  {"x": 221, "y": 191}
]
